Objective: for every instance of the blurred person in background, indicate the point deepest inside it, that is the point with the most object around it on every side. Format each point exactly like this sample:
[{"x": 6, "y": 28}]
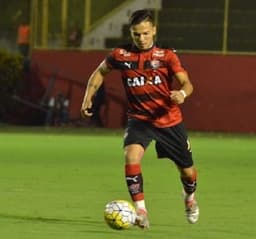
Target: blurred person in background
[
  {"x": 148, "y": 71},
  {"x": 58, "y": 111},
  {"x": 98, "y": 102},
  {"x": 75, "y": 36},
  {"x": 23, "y": 38}
]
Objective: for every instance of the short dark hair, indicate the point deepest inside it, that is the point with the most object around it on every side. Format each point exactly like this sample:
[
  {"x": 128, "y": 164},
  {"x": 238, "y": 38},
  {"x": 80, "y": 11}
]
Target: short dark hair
[{"x": 140, "y": 16}]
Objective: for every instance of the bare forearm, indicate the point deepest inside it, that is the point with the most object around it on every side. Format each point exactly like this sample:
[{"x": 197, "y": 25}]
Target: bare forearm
[
  {"x": 94, "y": 83},
  {"x": 187, "y": 87},
  {"x": 185, "y": 83},
  {"x": 96, "y": 80}
]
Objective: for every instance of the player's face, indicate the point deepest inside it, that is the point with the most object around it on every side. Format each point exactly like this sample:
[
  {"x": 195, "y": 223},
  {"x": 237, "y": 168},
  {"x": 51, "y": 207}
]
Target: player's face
[{"x": 143, "y": 34}]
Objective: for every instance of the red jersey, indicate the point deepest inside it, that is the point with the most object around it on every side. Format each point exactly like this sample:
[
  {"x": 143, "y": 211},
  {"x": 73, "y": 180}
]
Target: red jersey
[
  {"x": 23, "y": 34},
  {"x": 147, "y": 79}
]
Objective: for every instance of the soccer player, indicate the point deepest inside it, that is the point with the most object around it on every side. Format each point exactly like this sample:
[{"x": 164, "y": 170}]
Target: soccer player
[{"x": 148, "y": 71}]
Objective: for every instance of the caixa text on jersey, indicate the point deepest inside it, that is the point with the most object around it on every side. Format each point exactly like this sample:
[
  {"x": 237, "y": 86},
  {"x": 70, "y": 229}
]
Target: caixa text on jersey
[{"x": 141, "y": 81}]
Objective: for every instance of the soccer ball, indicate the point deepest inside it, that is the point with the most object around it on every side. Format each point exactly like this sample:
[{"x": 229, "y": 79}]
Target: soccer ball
[{"x": 119, "y": 214}]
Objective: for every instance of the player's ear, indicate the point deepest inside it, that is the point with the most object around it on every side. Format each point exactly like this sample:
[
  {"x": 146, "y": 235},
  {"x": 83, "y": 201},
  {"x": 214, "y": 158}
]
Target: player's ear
[{"x": 154, "y": 30}]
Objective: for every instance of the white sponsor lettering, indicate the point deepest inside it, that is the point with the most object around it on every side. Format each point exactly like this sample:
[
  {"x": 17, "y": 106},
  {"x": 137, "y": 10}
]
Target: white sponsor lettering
[{"x": 141, "y": 81}]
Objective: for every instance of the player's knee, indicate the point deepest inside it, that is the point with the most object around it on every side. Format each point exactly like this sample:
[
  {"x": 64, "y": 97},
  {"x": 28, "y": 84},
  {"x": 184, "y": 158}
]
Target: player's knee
[{"x": 133, "y": 154}]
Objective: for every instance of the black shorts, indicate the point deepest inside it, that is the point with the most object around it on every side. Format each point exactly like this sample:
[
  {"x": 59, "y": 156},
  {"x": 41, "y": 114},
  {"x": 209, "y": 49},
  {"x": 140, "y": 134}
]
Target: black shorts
[{"x": 171, "y": 142}]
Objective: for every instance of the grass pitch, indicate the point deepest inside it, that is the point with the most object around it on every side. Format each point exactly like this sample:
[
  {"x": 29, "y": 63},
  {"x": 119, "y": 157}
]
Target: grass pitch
[{"x": 54, "y": 185}]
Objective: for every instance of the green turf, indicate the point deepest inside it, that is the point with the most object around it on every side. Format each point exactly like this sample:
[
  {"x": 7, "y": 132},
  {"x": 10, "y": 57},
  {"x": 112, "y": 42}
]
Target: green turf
[{"x": 54, "y": 185}]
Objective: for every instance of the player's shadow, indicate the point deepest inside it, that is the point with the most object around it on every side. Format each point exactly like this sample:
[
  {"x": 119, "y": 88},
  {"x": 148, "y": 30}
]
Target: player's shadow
[
  {"x": 84, "y": 221},
  {"x": 95, "y": 226}
]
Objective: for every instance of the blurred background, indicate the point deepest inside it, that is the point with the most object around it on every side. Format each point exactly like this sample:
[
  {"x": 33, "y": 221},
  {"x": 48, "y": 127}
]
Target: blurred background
[{"x": 48, "y": 49}]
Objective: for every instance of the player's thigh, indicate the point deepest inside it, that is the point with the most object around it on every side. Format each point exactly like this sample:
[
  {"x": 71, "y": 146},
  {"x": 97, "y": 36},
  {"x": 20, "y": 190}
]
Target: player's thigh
[
  {"x": 136, "y": 139},
  {"x": 173, "y": 143}
]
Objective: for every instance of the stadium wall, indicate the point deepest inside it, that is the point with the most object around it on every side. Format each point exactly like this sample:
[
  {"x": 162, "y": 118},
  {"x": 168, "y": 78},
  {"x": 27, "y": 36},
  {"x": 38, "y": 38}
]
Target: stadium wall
[{"x": 224, "y": 98}]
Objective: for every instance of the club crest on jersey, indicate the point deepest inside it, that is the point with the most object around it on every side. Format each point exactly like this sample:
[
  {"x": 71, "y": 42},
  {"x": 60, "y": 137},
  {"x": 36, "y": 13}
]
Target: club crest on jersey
[
  {"x": 141, "y": 81},
  {"x": 155, "y": 64}
]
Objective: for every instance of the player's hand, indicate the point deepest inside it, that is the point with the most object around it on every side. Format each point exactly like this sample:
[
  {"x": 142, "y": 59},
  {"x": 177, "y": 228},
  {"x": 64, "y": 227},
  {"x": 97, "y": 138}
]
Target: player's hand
[
  {"x": 177, "y": 97},
  {"x": 86, "y": 109}
]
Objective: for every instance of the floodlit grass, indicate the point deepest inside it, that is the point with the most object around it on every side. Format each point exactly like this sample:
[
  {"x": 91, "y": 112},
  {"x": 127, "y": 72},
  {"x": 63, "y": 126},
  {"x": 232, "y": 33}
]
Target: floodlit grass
[{"x": 54, "y": 185}]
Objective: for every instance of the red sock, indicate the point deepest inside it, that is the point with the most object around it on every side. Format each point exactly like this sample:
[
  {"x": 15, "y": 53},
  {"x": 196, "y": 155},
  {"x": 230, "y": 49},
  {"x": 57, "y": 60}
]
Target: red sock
[{"x": 134, "y": 181}]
